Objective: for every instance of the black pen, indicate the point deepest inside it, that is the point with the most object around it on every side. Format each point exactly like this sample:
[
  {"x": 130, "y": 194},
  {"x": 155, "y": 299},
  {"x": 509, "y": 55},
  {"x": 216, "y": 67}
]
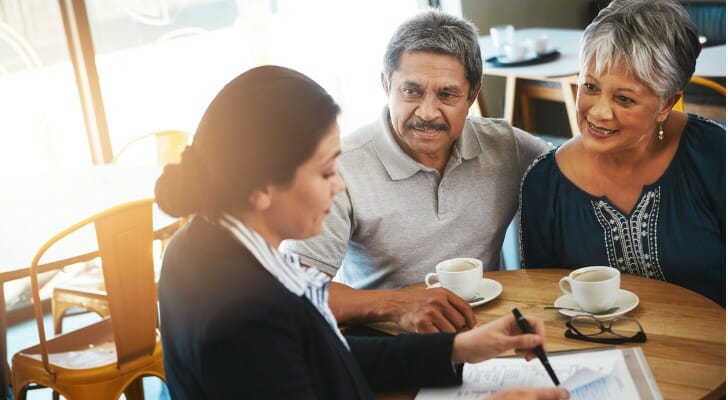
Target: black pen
[{"x": 526, "y": 328}]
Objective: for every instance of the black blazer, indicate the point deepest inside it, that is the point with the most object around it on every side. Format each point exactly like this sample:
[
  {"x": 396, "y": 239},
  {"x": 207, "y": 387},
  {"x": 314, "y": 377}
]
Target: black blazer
[{"x": 230, "y": 330}]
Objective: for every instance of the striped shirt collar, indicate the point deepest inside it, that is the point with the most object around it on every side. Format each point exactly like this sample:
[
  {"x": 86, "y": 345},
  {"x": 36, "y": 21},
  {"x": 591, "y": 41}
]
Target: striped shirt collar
[{"x": 286, "y": 268}]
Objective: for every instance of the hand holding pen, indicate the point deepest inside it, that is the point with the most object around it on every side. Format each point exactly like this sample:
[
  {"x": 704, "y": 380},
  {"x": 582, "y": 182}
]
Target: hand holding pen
[
  {"x": 495, "y": 338},
  {"x": 538, "y": 350},
  {"x": 498, "y": 336}
]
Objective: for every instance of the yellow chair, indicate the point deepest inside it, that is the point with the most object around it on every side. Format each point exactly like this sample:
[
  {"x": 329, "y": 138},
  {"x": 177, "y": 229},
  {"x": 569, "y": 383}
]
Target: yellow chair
[
  {"x": 168, "y": 146},
  {"x": 680, "y": 105},
  {"x": 107, "y": 358}
]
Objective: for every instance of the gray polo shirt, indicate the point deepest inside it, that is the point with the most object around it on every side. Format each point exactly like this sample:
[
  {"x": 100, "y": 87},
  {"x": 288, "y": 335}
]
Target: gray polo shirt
[{"x": 397, "y": 218}]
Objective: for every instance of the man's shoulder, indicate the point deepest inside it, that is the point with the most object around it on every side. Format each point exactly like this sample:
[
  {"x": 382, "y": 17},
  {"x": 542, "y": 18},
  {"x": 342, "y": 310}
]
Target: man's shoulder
[
  {"x": 499, "y": 133},
  {"x": 490, "y": 127},
  {"x": 358, "y": 144}
]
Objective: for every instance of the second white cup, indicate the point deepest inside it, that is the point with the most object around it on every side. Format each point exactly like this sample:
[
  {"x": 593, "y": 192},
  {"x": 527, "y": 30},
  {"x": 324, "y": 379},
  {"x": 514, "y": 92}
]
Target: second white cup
[
  {"x": 515, "y": 52},
  {"x": 461, "y": 276},
  {"x": 538, "y": 45},
  {"x": 594, "y": 288}
]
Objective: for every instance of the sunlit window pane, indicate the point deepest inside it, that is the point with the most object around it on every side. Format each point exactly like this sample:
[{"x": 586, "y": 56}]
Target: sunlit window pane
[
  {"x": 160, "y": 62},
  {"x": 41, "y": 128},
  {"x": 340, "y": 44}
]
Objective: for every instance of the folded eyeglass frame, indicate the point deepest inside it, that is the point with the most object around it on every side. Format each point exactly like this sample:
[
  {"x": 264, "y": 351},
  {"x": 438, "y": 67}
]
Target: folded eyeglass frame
[{"x": 574, "y": 333}]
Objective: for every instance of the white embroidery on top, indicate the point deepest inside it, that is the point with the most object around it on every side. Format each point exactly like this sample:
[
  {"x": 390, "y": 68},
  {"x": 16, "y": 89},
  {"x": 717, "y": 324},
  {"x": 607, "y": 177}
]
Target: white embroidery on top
[{"x": 631, "y": 243}]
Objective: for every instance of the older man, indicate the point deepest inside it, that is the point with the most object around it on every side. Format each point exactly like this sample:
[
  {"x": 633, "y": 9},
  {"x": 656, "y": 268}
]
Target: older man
[{"x": 425, "y": 182}]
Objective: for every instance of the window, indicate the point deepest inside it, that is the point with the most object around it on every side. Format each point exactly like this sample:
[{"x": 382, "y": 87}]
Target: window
[
  {"x": 41, "y": 128},
  {"x": 160, "y": 62}
]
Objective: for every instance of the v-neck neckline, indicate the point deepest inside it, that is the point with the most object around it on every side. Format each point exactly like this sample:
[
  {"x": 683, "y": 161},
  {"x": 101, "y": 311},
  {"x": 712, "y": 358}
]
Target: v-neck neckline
[{"x": 646, "y": 189}]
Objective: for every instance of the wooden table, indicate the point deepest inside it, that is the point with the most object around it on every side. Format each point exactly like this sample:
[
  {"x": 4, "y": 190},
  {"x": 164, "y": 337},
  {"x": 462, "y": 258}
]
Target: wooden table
[
  {"x": 33, "y": 208},
  {"x": 686, "y": 336}
]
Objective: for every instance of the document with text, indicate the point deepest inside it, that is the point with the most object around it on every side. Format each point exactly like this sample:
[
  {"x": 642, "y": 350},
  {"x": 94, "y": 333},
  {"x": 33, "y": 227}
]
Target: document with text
[{"x": 587, "y": 374}]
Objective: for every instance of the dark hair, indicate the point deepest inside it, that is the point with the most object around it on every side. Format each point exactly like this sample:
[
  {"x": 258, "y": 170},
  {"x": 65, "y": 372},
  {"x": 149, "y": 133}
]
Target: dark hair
[
  {"x": 438, "y": 32},
  {"x": 258, "y": 130}
]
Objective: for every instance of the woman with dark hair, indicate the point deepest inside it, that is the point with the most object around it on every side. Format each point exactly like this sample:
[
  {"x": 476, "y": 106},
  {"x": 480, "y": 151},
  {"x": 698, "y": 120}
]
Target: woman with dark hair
[{"x": 242, "y": 320}]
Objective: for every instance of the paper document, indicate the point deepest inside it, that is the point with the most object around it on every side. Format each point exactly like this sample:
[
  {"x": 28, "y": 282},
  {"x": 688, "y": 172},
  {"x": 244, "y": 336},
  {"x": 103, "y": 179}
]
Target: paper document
[{"x": 592, "y": 375}]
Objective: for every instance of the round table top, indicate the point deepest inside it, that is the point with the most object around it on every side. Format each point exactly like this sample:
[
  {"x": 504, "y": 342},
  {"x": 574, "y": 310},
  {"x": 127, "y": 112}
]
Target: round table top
[
  {"x": 566, "y": 41},
  {"x": 711, "y": 62},
  {"x": 686, "y": 336}
]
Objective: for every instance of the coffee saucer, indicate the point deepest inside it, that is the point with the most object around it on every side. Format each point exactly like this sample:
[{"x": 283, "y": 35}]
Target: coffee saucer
[
  {"x": 487, "y": 291},
  {"x": 626, "y": 301}
]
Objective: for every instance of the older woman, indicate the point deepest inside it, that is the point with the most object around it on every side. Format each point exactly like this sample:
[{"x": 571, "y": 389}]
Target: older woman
[
  {"x": 643, "y": 188},
  {"x": 241, "y": 320}
]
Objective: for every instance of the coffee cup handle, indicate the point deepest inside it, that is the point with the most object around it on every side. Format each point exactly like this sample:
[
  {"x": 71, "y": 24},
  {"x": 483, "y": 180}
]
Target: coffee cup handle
[
  {"x": 562, "y": 287},
  {"x": 428, "y": 277}
]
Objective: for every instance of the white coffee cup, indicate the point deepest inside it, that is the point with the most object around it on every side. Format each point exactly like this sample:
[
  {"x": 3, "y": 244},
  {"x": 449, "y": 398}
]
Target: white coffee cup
[
  {"x": 594, "y": 288},
  {"x": 461, "y": 276},
  {"x": 538, "y": 45},
  {"x": 515, "y": 51},
  {"x": 501, "y": 35}
]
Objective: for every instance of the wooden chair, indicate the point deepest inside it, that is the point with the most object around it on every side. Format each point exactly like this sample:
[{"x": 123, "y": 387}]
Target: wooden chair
[
  {"x": 168, "y": 145},
  {"x": 107, "y": 358},
  {"x": 522, "y": 94}
]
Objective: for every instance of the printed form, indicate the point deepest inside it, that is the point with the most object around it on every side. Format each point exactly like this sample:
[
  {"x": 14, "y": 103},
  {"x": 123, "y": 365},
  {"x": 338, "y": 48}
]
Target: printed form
[{"x": 588, "y": 375}]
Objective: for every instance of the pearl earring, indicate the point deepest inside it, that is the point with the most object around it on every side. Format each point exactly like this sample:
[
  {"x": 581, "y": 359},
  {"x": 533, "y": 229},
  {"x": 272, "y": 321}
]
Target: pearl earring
[{"x": 661, "y": 133}]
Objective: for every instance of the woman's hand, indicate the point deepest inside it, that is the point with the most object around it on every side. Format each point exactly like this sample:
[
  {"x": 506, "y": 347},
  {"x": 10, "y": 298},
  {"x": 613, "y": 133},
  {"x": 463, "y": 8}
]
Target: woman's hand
[
  {"x": 496, "y": 337},
  {"x": 531, "y": 394}
]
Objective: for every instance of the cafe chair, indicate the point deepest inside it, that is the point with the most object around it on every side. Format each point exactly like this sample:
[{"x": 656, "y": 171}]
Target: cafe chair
[
  {"x": 91, "y": 297},
  {"x": 109, "y": 357},
  {"x": 163, "y": 147},
  {"x": 74, "y": 298},
  {"x": 696, "y": 80}
]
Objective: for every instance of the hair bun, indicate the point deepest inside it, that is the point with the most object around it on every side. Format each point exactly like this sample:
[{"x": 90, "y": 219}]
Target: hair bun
[{"x": 179, "y": 191}]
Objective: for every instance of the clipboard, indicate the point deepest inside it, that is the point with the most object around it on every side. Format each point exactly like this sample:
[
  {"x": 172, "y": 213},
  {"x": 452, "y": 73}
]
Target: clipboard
[
  {"x": 637, "y": 364},
  {"x": 624, "y": 374}
]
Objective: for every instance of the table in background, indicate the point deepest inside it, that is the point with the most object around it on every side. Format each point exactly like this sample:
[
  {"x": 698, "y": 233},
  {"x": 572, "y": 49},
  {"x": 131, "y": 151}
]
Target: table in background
[
  {"x": 34, "y": 208},
  {"x": 686, "y": 336},
  {"x": 556, "y": 80},
  {"x": 711, "y": 62},
  {"x": 553, "y": 80}
]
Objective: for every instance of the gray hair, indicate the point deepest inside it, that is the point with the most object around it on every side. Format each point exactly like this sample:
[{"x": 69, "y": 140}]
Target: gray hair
[
  {"x": 655, "y": 39},
  {"x": 438, "y": 32}
]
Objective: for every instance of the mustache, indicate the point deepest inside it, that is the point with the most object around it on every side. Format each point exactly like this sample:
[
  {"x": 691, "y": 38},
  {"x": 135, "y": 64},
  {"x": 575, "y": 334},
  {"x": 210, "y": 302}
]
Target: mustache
[{"x": 427, "y": 125}]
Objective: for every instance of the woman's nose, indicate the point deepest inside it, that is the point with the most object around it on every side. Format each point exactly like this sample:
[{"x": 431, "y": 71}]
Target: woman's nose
[
  {"x": 602, "y": 109},
  {"x": 338, "y": 184}
]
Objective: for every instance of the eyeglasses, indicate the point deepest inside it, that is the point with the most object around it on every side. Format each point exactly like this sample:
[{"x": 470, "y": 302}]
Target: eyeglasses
[{"x": 615, "y": 331}]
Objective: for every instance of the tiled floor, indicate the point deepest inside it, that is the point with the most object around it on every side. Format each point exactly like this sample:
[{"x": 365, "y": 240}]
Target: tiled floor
[{"x": 26, "y": 334}]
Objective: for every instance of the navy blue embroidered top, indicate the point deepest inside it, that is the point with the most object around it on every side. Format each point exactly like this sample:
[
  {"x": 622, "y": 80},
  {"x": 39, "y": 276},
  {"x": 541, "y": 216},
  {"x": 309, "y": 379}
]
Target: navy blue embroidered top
[{"x": 675, "y": 233}]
